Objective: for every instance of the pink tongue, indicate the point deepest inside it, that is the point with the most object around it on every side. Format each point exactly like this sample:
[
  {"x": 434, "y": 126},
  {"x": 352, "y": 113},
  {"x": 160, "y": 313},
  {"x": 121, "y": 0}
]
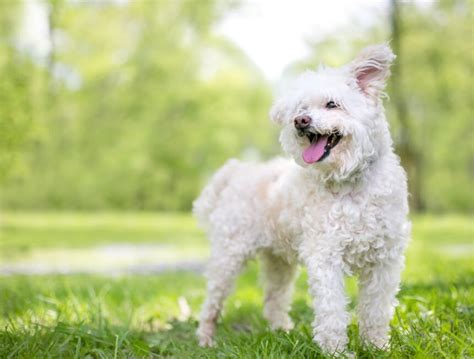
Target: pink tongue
[{"x": 315, "y": 150}]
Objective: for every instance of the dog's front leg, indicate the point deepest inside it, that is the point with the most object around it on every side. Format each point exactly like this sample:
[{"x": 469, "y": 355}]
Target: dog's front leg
[
  {"x": 378, "y": 286},
  {"x": 326, "y": 285}
]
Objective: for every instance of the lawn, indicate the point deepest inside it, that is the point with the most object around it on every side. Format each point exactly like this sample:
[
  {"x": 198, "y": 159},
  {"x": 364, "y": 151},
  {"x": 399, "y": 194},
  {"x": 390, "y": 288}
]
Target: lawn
[{"x": 155, "y": 315}]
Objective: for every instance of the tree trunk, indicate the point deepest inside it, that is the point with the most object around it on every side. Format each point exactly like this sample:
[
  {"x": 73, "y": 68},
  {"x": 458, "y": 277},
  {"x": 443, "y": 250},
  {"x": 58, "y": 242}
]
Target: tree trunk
[{"x": 409, "y": 155}]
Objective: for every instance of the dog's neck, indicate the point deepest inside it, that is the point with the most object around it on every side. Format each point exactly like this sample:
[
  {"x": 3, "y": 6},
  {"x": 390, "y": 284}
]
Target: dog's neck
[{"x": 355, "y": 182}]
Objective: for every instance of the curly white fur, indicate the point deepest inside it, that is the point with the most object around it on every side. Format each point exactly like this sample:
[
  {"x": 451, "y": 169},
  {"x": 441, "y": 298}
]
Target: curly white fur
[{"x": 346, "y": 214}]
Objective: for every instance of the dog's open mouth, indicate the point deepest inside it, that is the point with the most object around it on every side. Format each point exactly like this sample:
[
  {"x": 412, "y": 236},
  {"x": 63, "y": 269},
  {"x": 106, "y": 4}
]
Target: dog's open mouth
[{"x": 320, "y": 145}]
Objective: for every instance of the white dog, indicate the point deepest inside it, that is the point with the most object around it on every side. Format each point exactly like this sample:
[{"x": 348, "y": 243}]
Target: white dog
[{"x": 341, "y": 209}]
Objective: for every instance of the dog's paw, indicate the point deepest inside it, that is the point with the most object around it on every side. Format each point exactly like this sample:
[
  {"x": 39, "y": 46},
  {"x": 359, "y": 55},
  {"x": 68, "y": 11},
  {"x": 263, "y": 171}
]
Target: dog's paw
[
  {"x": 205, "y": 333},
  {"x": 278, "y": 320},
  {"x": 206, "y": 341},
  {"x": 380, "y": 342},
  {"x": 334, "y": 344},
  {"x": 285, "y": 325},
  {"x": 376, "y": 337}
]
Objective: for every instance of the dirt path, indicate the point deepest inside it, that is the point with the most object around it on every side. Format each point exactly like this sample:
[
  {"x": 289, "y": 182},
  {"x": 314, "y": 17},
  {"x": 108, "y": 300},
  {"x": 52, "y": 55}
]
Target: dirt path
[{"x": 116, "y": 259}]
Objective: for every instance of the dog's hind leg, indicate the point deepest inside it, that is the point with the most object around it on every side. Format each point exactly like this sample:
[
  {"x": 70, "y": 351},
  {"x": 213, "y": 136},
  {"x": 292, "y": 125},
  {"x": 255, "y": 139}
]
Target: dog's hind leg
[
  {"x": 225, "y": 264},
  {"x": 278, "y": 281}
]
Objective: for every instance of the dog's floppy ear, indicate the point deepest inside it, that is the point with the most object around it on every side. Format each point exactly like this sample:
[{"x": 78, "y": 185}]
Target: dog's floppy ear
[
  {"x": 371, "y": 68},
  {"x": 279, "y": 111}
]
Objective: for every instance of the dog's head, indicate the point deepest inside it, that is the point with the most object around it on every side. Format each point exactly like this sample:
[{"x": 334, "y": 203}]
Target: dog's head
[{"x": 332, "y": 119}]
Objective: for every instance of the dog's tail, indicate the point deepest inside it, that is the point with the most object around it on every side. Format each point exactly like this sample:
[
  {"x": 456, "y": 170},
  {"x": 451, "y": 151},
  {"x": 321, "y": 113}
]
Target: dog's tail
[{"x": 206, "y": 202}]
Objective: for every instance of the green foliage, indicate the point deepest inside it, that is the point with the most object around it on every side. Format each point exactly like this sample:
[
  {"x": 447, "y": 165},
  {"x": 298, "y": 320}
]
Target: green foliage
[
  {"x": 16, "y": 89},
  {"x": 137, "y": 115},
  {"x": 139, "y": 102},
  {"x": 140, "y": 316},
  {"x": 439, "y": 94}
]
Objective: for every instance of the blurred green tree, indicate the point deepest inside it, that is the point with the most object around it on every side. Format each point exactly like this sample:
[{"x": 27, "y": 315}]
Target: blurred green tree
[
  {"x": 138, "y": 114},
  {"x": 138, "y": 102},
  {"x": 437, "y": 60},
  {"x": 17, "y": 92}
]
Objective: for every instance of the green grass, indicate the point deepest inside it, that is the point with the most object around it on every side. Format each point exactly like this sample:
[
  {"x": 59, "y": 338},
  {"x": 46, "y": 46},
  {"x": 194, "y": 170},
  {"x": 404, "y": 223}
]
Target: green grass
[
  {"x": 22, "y": 233},
  {"x": 140, "y": 316}
]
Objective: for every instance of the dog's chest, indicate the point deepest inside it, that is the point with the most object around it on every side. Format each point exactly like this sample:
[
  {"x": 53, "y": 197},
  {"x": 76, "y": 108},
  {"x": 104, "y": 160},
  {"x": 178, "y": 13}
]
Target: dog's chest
[{"x": 353, "y": 226}]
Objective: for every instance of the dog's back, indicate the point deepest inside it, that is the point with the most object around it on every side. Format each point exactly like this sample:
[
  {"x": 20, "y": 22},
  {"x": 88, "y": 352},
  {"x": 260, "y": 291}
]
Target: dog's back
[
  {"x": 206, "y": 202},
  {"x": 247, "y": 179}
]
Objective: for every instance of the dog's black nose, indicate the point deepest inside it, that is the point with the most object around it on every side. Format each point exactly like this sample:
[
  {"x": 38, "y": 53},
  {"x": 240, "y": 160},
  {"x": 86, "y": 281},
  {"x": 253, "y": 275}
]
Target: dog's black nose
[{"x": 301, "y": 122}]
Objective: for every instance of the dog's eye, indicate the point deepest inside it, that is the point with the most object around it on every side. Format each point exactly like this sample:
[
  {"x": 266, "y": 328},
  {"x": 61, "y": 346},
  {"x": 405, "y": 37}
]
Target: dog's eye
[{"x": 331, "y": 104}]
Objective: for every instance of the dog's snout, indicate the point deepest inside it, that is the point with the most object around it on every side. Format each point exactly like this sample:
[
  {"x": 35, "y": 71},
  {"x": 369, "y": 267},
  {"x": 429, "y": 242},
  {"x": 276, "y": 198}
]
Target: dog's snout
[{"x": 302, "y": 122}]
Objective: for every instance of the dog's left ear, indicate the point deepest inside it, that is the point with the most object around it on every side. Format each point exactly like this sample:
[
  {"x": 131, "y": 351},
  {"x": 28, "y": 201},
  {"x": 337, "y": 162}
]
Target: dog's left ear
[
  {"x": 371, "y": 68},
  {"x": 279, "y": 111}
]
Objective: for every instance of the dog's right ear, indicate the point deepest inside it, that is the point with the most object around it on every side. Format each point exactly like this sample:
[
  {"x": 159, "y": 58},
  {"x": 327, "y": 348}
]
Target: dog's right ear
[
  {"x": 371, "y": 68},
  {"x": 279, "y": 111}
]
